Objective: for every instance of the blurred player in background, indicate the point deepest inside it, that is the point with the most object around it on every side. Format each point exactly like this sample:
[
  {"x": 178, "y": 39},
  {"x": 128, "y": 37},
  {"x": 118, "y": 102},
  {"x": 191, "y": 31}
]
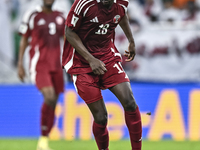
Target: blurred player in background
[
  {"x": 44, "y": 28},
  {"x": 23, "y": 5},
  {"x": 92, "y": 59}
]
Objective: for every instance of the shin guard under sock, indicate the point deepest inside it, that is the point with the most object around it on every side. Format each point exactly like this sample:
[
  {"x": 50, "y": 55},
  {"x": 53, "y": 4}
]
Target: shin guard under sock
[
  {"x": 133, "y": 122},
  {"x": 101, "y": 136}
]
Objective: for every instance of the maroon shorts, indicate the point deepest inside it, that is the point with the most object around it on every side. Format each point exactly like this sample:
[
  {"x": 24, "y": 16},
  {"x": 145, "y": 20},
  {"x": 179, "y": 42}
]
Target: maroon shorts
[
  {"x": 49, "y": 79},
  {"x": 89, "y": 85}
]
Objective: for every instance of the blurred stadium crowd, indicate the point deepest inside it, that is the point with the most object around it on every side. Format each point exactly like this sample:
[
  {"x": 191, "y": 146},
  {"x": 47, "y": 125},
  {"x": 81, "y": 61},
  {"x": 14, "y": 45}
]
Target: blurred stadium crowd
[{"x": 166, "y": 34}]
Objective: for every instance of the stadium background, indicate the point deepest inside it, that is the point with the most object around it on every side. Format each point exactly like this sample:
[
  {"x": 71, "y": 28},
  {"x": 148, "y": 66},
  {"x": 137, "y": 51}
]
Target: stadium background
[{"x": 164, "y": 77}]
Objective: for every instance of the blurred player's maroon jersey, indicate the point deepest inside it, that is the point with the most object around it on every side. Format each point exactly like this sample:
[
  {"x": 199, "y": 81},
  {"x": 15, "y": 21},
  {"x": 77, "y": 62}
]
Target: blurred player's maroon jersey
[
  {"x": 45, "y": 31},
  {"x": 95, "y": 25}
]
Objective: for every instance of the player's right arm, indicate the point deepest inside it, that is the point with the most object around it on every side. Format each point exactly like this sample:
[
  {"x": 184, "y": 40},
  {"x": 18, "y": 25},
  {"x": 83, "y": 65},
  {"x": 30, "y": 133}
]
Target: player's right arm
[
  {"x": 24, "y": 31},
  {"x": 22, "y": 48},
  {"x": 97, "y": 66},
  {"x": 73, "y": 23}
]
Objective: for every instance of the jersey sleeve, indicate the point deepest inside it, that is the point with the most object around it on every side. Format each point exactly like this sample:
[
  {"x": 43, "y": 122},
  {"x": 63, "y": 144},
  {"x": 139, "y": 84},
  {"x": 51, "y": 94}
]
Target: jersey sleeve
[
  {"x": 124, "y": 4},
  {"x": 24, "y": 27},
  {"x": 76, "y": 13}
]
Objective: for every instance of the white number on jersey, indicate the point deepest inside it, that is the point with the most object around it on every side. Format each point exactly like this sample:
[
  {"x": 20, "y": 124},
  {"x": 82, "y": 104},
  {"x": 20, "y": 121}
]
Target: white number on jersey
[
  {"x": 52, "y": 28},
  {"x": 103, "y": 29},
  {"x": 118, "y": 67}
]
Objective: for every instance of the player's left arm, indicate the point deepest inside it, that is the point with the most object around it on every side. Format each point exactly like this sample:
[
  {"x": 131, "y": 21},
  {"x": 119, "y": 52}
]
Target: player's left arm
[{"x": 124, "y": 24}]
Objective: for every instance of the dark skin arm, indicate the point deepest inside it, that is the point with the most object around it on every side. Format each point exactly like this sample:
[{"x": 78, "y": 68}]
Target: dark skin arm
[
  {"x": 97, "y": 66},
  {"x": 124, "y": 24},
  {"x": 22, "y": 48}
]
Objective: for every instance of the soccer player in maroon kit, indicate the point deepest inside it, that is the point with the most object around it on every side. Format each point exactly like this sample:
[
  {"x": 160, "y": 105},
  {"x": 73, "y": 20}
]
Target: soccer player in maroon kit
[
  {"x": 44, "y": 27},
  {"x": 92, "y": 59}
]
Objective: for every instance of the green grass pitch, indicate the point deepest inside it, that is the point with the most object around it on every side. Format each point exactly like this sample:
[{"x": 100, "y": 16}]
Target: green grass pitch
[{"x": 30, "y": 144}]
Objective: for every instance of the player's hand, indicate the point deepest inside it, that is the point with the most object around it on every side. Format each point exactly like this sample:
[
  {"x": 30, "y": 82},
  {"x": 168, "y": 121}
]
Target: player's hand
[
  {"x": 97, "y": 66},
  {"x": 130, "y": 54},
  {"x": 21, "y": 72}
]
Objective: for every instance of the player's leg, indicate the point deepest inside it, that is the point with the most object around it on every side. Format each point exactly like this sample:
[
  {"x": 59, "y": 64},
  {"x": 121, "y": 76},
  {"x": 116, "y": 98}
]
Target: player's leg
[
  {"x": 124, "y": 93},
  {"x": 47, "y": 116},
  {"x": 99, "y": 128},
  {"x": 117, "y": 81},
  {"x": 48, "y": 86},
  {"x": 48, "y": 109},
  {"x": 88, "y": 89}
]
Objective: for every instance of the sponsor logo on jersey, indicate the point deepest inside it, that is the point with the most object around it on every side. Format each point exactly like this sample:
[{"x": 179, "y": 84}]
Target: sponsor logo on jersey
[
  {"x": 41, "y": 22},
  {"x": 74, "y": 20},
  {"x": 94, "y": 20},
  {"x": 116, "y": 19},
  {"x": 59, "y": 20}
]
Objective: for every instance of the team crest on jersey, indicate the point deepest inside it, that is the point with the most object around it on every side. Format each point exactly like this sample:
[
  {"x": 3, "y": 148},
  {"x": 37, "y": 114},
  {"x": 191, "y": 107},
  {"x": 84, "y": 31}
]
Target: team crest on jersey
[
  {"x": 59, "y": 20},
  {"x": 116, "y": 19},
  {"x": 41, "y": 22}
]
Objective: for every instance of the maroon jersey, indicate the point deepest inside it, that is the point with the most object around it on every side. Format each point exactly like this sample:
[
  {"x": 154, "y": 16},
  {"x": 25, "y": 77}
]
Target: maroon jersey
[
  {"x": 95, "y": 25},
  {"x": 45, "y": 31}
]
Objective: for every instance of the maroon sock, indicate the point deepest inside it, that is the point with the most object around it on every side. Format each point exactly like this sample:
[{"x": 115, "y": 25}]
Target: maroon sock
[
  {"x": 47, "y": 119},
  {"x": 101, "y": 136},
  {"x": 133, "y": 122}
]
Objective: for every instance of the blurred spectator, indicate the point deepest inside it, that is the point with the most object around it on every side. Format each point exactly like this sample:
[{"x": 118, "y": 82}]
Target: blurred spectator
[
  {"x": 181, "y": 3},
  {"x": 190, "y": 13},
  {"x": 141, "y": 2},
  {"x": 136, "y": 15},
  {"x": 152, "y": 8},
  {"x": 169, "y": 13}
]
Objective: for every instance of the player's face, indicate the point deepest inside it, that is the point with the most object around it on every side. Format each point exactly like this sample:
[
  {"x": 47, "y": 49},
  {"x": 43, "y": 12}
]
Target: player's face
[
  {"x": 107, "y": 3},
  {"x": 48, "y": 3}
]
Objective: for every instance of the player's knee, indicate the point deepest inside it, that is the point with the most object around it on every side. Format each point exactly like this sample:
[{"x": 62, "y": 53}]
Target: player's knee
[
  {"x": 130, "y": 106},
  {"x": 101, "y": 119},
  {"x": 50, "y": 99}
]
